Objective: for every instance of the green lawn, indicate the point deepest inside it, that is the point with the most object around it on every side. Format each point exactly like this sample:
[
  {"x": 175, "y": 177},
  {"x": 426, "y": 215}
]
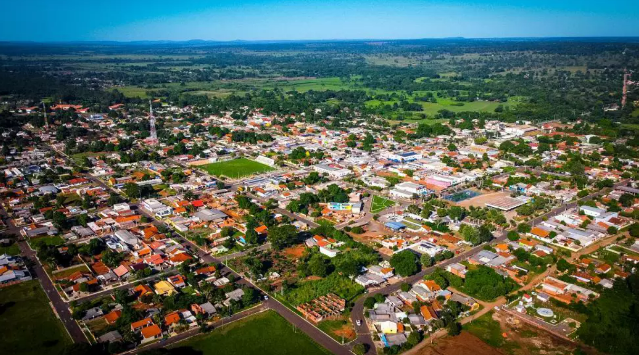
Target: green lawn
[
  {"x": 52, "y": 240},
  {"x": 264, "y": 334},
  {"x": 12, "y": 249},
  {"x": 28, "y": 324},
  {"x": 236, "y": 168},
  {"x": 379, "y": 204}
]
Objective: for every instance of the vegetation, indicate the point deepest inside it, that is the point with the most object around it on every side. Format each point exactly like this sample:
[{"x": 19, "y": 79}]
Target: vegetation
[
  {"x": 482, "y": 282},
  {"x": 306, "y": 291},
  {"x": 28, "y": 324},
  {"x": 235, "y": 168},
  {"x": 248, "y": 337},
  {"x": 611, "y": 326},
  {"x": 406, "y": 263},
  {"x": 379, "y": 204}
]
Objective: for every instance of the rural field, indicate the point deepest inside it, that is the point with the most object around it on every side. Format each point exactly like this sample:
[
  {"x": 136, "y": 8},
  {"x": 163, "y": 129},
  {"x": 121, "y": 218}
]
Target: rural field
[
  {"x": 28, "y": 324},
  {"x": 235, "y": 168},
  {"x": 379, "y": 204},
  {"x": 249, "y": 336}
]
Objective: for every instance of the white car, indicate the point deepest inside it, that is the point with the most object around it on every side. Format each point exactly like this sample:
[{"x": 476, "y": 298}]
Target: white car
[
  {"x": 265, "y": 298},
  {"x": 359, "y": 323}
]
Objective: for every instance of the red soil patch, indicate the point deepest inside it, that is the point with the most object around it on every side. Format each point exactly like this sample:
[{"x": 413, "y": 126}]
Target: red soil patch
[
  {"x": 463, "y": 344},
  {"x": 294, "y": 252}
]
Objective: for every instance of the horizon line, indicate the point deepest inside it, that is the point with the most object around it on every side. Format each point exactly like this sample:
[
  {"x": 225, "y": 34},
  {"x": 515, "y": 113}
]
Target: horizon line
[{"x": 196, "y": 40}]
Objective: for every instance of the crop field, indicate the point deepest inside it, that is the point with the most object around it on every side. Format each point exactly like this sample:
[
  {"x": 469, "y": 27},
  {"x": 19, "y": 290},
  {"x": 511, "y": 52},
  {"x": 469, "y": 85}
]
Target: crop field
[
  {"x": 248, "y": 336},
  {"x": 235, "y": 168},
  {"x": 379, "y": 204},
  {"x": 28, "y": 324}
]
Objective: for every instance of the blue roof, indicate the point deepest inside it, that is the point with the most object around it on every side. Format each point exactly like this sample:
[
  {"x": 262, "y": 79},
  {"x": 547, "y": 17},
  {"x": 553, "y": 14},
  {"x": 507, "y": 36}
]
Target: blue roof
[{"x": 395, "y": 225}]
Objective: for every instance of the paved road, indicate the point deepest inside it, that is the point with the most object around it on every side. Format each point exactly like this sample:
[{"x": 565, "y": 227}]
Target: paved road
[
  {"x": 357, "y": 313},
  {"x": 313, "y": 332},
  {"x": 56, "y": 300},
  {"x": 195, "y": 331}
]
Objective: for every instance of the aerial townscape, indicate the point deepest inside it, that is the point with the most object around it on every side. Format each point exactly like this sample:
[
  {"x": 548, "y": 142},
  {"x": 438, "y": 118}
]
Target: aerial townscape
[{"x": 382, "y": 196}]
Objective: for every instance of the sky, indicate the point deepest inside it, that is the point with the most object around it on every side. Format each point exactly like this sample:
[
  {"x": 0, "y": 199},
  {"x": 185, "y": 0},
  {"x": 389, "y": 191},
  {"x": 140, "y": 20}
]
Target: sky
[{"x": 226, "y": 20}]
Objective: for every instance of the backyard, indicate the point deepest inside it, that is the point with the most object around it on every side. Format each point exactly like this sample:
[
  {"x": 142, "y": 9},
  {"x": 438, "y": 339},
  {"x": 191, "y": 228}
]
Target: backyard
[
  {"x": 248, "y": 336},
  {"x": 28, "y": 324},
  {"x": 235, "y": 168}
]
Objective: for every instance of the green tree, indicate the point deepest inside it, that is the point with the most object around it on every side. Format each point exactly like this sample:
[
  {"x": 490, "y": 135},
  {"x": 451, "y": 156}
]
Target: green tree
[
  {"x": 405, "y": 263},
  {"x": 282, "y": 236}
]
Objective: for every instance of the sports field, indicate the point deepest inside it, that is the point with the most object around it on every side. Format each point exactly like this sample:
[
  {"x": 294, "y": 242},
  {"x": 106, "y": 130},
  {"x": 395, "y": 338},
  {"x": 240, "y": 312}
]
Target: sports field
[
  {"x": 264, "y": 334},
  {"x": 379, "y": 204},
  {"x": 235, "y": 168},
  {"x": 28, "y": 324}
]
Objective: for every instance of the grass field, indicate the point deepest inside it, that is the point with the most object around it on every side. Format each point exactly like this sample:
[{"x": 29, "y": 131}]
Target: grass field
[
  {"x": 431, "y": 109},
  {"x": 235, "y": 168},
  {"x": 264, "y": 334},
  {"x": 632, "y": 126},
  {"x": 28, "y": 324},
  {"x": 12, "y": 249},
  {"x": 52, "y": 240},
  {"x": 489, "y": 330},
  {"x": 379, "y": 204}
]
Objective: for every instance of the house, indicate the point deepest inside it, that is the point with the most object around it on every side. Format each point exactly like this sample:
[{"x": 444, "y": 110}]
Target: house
[
  {"x": 137, "y": 326},
  {"x": 177, "y": 281},
  {"x": 369, "y": 279},
  {"x": 206, "y": 309},
  {"x": 112, "y": 316},
  {"x": 457, "y": 269},
  {"x": 150, "y": 333},
  {"x": 163, "y": 288},
  {"x": 172, "y": 318},
  {"x": 110, "y": 337},
  {"x": 591, "y": 211}
]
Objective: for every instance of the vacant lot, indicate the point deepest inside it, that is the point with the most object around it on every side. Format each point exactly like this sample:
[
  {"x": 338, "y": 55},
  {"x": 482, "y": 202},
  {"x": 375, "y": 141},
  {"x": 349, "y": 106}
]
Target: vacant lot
[
  {"x": 463, "y": 344},
  {"x": 507, "y": 335},
  {"x": 28, "y": 324},
  {"x": 379, "y": 204},
  {"x": 236, "y": 168},
  {"x": 265, "y": 333},
  {"x": 12, "y": 249},
  {"x": 339, "y": 329}
]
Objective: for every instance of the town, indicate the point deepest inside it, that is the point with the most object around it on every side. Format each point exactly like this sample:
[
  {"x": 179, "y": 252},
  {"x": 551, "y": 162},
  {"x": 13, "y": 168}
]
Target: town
[{"x": 150, "y": 223}]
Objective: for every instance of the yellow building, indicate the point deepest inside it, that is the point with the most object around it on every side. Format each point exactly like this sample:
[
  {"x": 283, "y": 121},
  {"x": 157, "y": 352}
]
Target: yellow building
[{"x": 163, "y": 288}]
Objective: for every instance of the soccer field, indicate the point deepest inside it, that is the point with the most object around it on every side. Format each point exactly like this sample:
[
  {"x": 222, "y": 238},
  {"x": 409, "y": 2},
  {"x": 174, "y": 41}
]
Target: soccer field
[
  {"x": 235, "y": 168},
  {"x": 379, "y": 204}
]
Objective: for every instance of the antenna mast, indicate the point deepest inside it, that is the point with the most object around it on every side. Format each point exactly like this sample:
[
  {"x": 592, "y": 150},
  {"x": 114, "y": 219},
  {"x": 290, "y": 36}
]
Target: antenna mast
[
  {"x": 46, "y": 121},
  {"x": 154, "y": 134}
]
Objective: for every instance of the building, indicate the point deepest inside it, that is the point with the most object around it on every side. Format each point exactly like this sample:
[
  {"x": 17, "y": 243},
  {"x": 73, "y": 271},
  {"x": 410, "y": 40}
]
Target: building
[
  {"x": 332, "y": 171},
  {"x": 159, "y": 209}
]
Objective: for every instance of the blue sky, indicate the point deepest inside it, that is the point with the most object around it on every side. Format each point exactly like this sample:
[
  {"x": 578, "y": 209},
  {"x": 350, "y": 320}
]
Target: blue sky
[{"x": 88, "y": 20}]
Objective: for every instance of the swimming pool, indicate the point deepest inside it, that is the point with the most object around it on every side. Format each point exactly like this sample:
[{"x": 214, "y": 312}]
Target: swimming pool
[{"x": 461, "y": 195}]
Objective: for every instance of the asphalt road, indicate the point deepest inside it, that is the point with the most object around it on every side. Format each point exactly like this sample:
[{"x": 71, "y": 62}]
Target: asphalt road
[
  {"x": 357, "y": 313},
  {"x": 61, "y": 307}
]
